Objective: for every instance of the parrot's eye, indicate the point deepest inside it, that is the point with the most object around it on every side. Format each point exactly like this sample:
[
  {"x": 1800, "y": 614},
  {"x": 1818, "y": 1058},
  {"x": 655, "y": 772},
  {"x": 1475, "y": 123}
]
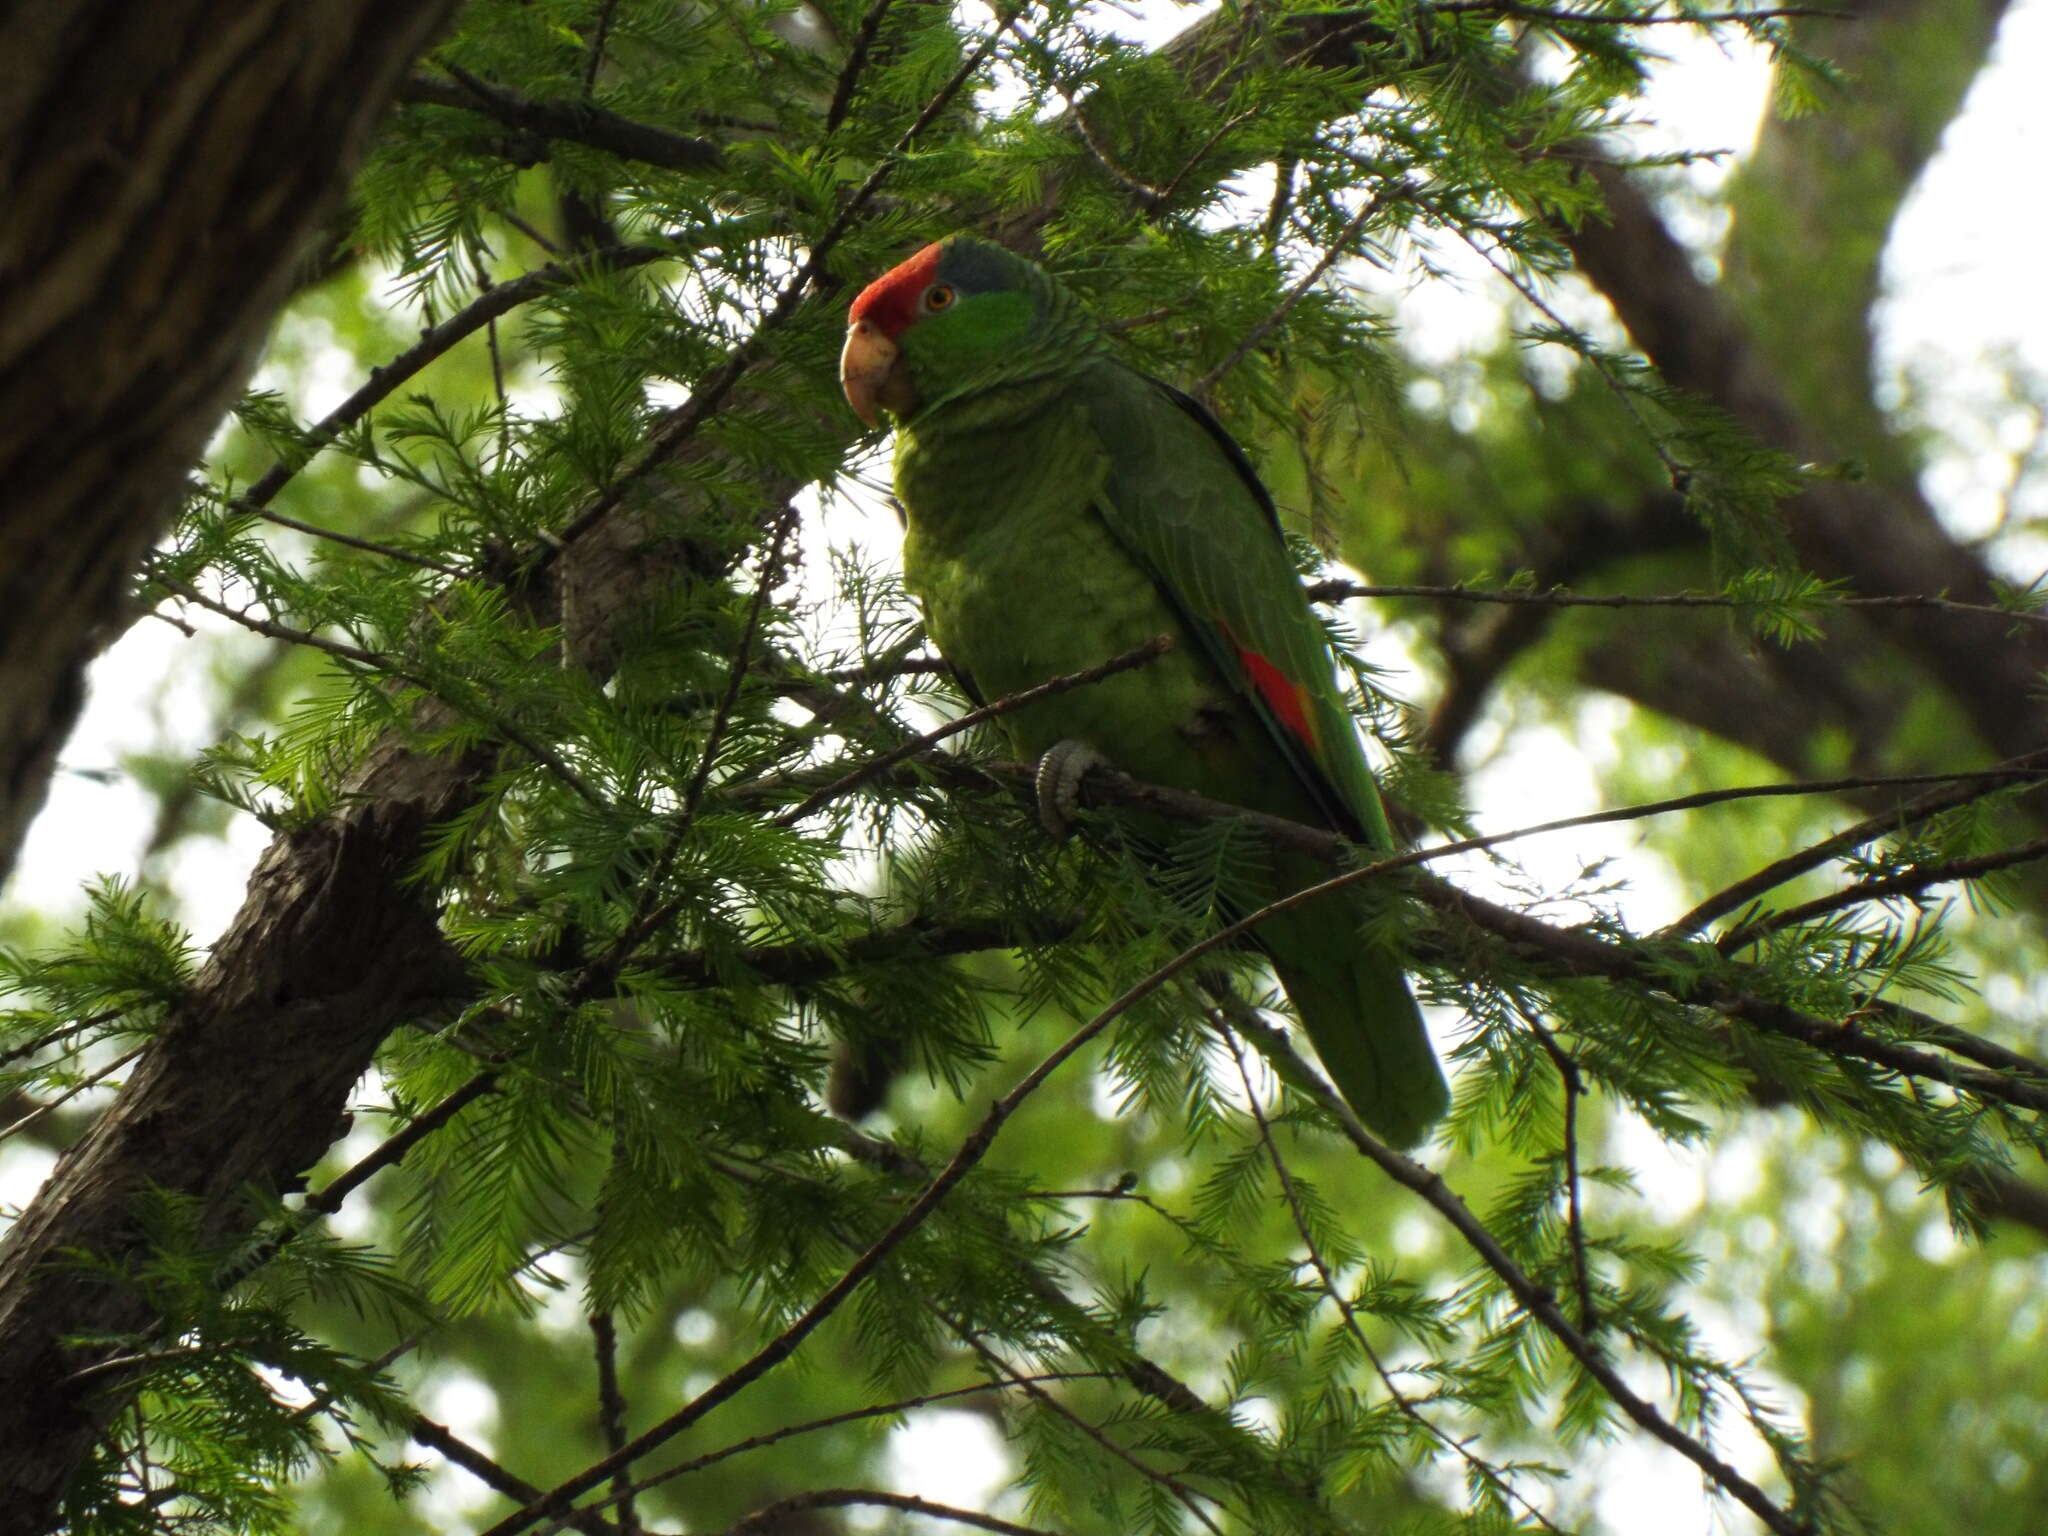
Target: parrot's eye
[{"x": 938, "y": 296}]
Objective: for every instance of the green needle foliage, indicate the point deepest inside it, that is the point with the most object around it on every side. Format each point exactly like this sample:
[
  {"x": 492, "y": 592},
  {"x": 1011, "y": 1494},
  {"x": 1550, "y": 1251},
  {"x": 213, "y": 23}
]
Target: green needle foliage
[{"x": 581, "y": 557}]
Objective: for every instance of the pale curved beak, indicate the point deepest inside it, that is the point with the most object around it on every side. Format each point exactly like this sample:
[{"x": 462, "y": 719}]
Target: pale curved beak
[{"x": 871, "y": 373}]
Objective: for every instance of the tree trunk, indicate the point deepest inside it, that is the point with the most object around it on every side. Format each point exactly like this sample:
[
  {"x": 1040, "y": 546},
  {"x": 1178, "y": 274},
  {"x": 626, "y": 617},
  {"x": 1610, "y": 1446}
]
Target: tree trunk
[{"x": 162, "y": 168}]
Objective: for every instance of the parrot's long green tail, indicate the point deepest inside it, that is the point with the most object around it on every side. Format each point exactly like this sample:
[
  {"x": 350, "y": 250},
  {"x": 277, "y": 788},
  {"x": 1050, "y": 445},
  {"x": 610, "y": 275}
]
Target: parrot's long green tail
[{"x": 1355, "y": 1005}]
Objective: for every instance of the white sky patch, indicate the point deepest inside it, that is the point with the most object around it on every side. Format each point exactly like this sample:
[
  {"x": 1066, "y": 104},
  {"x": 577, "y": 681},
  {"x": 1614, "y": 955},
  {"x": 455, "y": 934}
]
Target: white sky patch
[
  {"x": 947, "y": 1455},
  {"x": 1964, "y": 311}
]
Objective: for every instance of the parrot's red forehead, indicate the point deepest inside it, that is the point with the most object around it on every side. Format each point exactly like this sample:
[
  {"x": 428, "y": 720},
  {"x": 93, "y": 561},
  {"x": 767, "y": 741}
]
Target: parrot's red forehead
[{"x": 890, "y": 301}]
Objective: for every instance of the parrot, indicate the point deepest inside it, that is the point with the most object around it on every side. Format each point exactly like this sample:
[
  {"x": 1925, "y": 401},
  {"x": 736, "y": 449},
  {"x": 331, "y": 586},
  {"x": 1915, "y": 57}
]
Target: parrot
[{"x": 1061, "y": 508}]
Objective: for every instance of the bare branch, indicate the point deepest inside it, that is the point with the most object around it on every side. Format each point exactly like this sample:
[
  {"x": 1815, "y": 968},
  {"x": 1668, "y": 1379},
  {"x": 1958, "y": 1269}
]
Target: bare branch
[
  {"x": 833, "y": 1421},
  {"x": 440, "y": 1438},
  {"x": 578, "y": 121},
  {"x": 771, "y": 1517},
  {"x": 611, "y": 1409}
]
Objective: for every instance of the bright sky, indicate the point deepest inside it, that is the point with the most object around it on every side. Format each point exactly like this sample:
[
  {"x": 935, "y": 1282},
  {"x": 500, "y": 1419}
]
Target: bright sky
[{"x": 1964, "y": 304}]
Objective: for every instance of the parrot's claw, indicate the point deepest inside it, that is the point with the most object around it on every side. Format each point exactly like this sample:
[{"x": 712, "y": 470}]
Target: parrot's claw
[{"x": 1058, "y": 784}]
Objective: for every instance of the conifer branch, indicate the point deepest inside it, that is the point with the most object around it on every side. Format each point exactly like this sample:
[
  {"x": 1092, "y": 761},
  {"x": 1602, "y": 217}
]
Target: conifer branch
[
  {"x": 85, "y": 1084},
  {"x": 57, "y": 1036},
  {"x": 271, "y": 629},
  {"x": 1205, "y": 386},
  {"x": 1907, "y": 883},
  {"x": 329, "y": 1198},
  {"x": 712, "y": 391},
  {"x": 1577, "y": 950},
  {"x": 348, "y": 540},
  {"x": 856, "y": 62},
  {"x": 1574, "y": 1083},
  {"x": 464, "y": 702},
  {"x": 435, "y": 342},
  {"x": 1231, "y": 1007},
  {"x": 1517, "y": 10},
  {"x": 1534, "y": 1299},
  {"x": 1180, "y": 1492},
  {"x": 1585, "y": 954},
  {"x": 968, "y": 1155}
]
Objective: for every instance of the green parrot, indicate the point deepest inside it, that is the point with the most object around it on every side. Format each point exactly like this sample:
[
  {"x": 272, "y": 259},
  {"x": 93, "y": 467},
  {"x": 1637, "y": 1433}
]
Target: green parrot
[{"x": 1060, "y": 509}]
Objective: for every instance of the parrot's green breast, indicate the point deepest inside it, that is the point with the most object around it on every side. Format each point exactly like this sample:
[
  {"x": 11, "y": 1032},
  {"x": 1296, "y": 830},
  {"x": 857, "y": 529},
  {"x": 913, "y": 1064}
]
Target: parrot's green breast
[{"x": 1022, "y": 581}]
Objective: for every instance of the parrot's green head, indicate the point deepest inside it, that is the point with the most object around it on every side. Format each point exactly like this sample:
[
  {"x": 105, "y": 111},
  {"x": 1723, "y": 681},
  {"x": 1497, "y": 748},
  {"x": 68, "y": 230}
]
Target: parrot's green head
[{"x": 960, "y": 317}]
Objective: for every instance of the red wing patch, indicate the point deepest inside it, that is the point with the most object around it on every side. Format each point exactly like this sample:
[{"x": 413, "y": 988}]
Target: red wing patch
[{"x": 1286, "y": 698}]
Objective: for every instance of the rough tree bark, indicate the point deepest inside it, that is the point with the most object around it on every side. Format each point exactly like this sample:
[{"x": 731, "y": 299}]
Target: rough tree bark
[{"x": 162, "y": 168}]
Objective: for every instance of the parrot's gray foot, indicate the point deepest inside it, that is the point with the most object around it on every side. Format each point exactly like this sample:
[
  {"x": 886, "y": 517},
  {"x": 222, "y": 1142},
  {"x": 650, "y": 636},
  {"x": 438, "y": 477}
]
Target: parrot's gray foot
[{"x": 1058, "y": 784}]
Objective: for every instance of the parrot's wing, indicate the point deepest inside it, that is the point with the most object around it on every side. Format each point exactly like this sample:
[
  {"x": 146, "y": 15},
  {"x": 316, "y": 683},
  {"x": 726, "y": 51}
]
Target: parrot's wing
[{"x": 1182, "y": 497}]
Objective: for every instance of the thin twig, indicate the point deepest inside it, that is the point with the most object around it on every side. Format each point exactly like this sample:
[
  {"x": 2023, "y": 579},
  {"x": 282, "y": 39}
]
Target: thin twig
[
  {"x": 1294, "y": 295},
  {"x": 742, "y": 659},
  {"x": 874, "y": 767},
  {"x": 51, "y": 1106},
  {"x": 1575, "y": 1220},
  {"x": 1742, "y": 892},
  {"x": 336, "y": 536},
  {"x": 1338, "y": 589},
  {"x": 1149, "y": 199},
  {"x": 53, "y": 1037},
  {"x": 1908, "y": 883},
  {"x": 611, "y": 1408},
  {"x": 772, "y": 1517},
  {"x": 1183, "y": 1495},
  {"x": 440, "y": 1438},
  {"x": 833, "y": 1421}
]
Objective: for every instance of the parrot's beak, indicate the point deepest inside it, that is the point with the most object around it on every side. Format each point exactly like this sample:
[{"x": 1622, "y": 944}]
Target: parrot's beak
[{"x": 871, "y": 372}]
